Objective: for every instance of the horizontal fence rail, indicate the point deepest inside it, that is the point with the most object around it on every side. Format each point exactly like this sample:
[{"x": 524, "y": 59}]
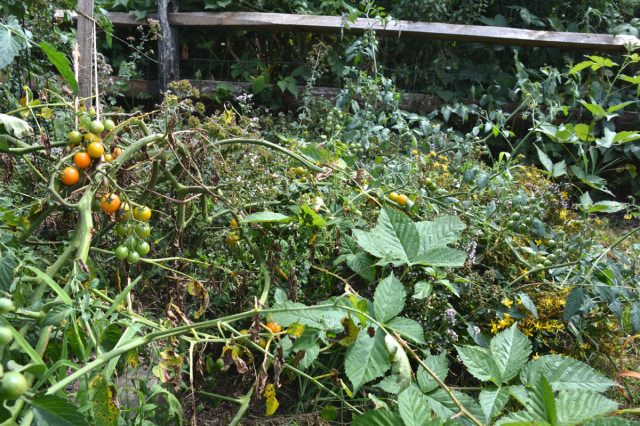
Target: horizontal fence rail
[{"x": 425, "y": 30}]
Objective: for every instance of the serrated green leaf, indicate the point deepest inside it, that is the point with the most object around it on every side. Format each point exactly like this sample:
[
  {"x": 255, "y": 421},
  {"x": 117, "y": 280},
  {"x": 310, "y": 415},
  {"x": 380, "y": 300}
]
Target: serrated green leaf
[
  {"x": 413, "y": 407},
  {"x": 564, "y": 373},
  {"x": 378, "y": 418},
  {"x": 110, "y": 337},
  {"x": 479, "y": 363},
  {"x": 580, "y": 66},
  {"x": 307, "y": 212},
  {"x": 51, "y": 410},
  {"x": 422, "y": 290},
  {"x": 439, "y": 365},
  {"x": 442, "y": 231},
  {"x": 407, "y": 328},
  {"x": 582, "y": 130},
  {"x": 268, "y": 217},
  {"x": 544, "y": 159},
  {"x": 62, "y": 64},
  {"x": 577, "y": 406},
  {"x": 441, "y": 256},
  {"x": 366, "y": 360},
  {"x": 510, "y": 350},
  {"x": 388, "y": 300},
  {"x": 611, "y": 421},
  {"x": 541, "y": 402},
  {"x": 492, "y": 400},
  {"x": 520, "y": 418}
]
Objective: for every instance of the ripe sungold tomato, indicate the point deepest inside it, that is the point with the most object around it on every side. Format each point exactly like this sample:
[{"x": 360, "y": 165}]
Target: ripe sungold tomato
[
  {"x": 142, "y": 213},
  {"x": 394, "y": 197},
  {"x": 234, "y": 225},
  {"x": 69, "y": 176},
  {"x": 262, "y": 343},
  {"x": 109, "y": 203},
  {"x": 116, "y": 152},
  {"x": 82, "y": 160},
  {"x": 274, "y": 327},
  {"x": 108, "y": 158},
  {"x": 91, "y": 137},
  {"x": 402, "y": 200},
  {"x": 75, "y": 137},
  {"x": 95, "y": 149}
]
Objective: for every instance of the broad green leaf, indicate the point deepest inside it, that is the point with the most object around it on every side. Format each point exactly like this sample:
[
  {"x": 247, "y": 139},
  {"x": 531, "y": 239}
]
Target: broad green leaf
[
  {"x": 479, "y": 363},
  {"x": 440, "y": 402},
  {"x": 614, "y": 108},
  {"x": 51, "y": 410},
  {"x": 422, "y": 290},
  {"x": 110, "y": 337},
  {"x": 545, "y": 160},
  {"x": 400, "y": 366},
  {"x": 442, "y": 231},
  {"x": 398, "y": 233},
  {"x": 366, "y": 359},
  {"x": 10, "y": 42},
  {"x": 577, "y": 301},
  {"x": 364, "y": 264},
  {"x": 510, "y": 350},
  {"x": 559, "y": 169},
  {"x": 492, "y": 400},
  {"x": 378, "y": 418},
  {"x": 329, "y": 413},
  {"x": 577, "y": 406},
  {"x": 258, "y": 84},
  {"x": 268, "y": 217},
  {"x": 316, "y": 220},
  {"x": 528, "y": 303},
  {"x": 14, "y": 126},
  {"x": 407, "y": 328},
  {"x": 62, "y": 64},
  {"x": 565, "y": 373},
  {"x": 441, "y": 256},
  {"x": 413, "y": 407},
  {"x": 607, "y": 206},
  {"x": 599, "y": 61},
  {"x": 626, "y": 136},
  {"x": 582, "y": 130},
  {"x": 57, "y": 315},
  {"x": 541, "y": 402},
  {"x": 437, "y": 364},
  {"x": 388, "y": 299},
  {"x": 103, "y": 396},
  {"x": 611, "y": 421},
  {"x": 7, "y": 264}
]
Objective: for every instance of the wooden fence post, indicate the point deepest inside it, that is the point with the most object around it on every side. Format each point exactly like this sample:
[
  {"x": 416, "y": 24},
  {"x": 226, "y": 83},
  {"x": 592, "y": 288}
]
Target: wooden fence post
[
  {"x": 168, "y": 67},
  {"x": 85, "y": 49}
]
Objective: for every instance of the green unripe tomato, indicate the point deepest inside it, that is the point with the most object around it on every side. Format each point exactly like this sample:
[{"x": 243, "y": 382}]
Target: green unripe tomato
[
  {"x": 108, "y": 125},
  {"x": 6, "y": 305},
  {"x": 552, "y": 257},
  {"x": 12, "y": 385},
  {"x": 75, "y": 137},
  {"x": 122, "y": 252},
  {"x": 96, "y": 127},
  {"x": 133, "y": 257},
  {"x": 143, "y": 230},
  {"x": 131, "y": 242},
  {"x": 551, "y": 243},
  {"x": 219, "y": 363},
  {"x": 515, "y": 216},
  {"x": 6, "y": 336},
  {"x": 123, "y": 228},
  {"x": 528, "y": 221},
  {"x": 143, "y": 248}
]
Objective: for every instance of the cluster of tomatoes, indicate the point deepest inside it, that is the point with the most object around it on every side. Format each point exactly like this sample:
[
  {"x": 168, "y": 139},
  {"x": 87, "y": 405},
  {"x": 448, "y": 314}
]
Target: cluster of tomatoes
[
  {"x": 93, "y": 150},
  {"x": 399, "y": 198},
  {"x": 133, "y": 229},
  {"x": 233, "y": 238},
  {"x": 299, "y": 172}
]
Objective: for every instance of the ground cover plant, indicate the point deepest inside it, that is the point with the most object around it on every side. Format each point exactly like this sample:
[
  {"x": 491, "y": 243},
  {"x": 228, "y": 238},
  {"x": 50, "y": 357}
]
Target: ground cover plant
[{"x": 347, "y": 262}]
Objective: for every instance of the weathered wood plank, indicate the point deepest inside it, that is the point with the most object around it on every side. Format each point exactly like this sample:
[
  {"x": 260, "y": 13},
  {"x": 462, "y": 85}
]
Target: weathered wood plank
[
  {"x": 168, "y": 66},
  {"x": 85, "y": 49},
  {"x": 423, "y": 30}
]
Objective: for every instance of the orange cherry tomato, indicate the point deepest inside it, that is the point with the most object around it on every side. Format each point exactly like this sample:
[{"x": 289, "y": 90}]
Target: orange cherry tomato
[
  {"x": 69, "y": 176},
  {"x": 82, "y": 160},
  {"x": 110, "y": 203}
]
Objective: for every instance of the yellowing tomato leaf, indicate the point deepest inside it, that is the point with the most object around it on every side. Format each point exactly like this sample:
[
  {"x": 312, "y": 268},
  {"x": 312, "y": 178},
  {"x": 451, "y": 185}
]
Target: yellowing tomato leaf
[{"x": 272, "y": 403}]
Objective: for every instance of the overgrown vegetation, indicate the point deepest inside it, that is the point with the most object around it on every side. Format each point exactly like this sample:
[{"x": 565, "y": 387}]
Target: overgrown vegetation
[{"x": 346, "y": 261}]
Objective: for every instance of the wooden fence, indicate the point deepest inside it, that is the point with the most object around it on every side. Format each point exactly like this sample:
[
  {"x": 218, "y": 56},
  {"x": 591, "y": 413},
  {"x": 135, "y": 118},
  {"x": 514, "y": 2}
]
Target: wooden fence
[{"x": 170, "y": 18}]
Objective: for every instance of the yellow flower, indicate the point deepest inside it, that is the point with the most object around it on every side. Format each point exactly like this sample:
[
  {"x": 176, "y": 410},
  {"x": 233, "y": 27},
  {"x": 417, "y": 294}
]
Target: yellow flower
[
  {"x": 564, "y": 194},
  {"x": 563, "y": 213},
  {"x": 536, "y": 356},
  {"x": 507, "y": 302},
  {"x": 494, "y": 327},
  {"x": 538, "y": 242}
]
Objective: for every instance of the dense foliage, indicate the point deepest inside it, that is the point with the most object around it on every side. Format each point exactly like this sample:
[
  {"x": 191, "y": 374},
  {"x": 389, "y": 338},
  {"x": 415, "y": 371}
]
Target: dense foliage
[{"x": 345, "y": 260}]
